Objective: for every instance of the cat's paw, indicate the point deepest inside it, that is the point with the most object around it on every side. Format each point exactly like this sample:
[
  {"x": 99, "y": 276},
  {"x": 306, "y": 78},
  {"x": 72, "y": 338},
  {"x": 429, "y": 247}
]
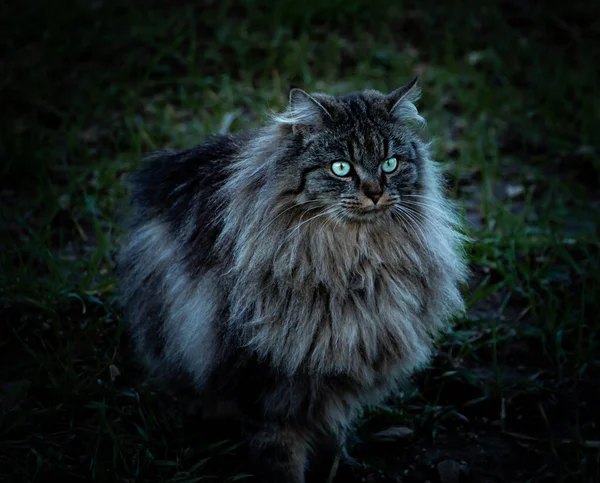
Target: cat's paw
[
  {"x": 351, "y": 462},
  {"x": 350, "y": 469}
]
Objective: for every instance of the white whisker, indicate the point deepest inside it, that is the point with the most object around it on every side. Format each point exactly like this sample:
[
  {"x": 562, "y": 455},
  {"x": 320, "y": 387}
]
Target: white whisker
[
  {"x": 420, "y": 218},
  {"x": 301, "y": 224},
  {"x": 429, "y": 211},
  {"x": 286, "y": 210},
  {"x": 421, "y": 238},
  {"x": 327, "y": 212},
  {"x": 292, "y": 230},
  {"x": 421, "y": 196}
]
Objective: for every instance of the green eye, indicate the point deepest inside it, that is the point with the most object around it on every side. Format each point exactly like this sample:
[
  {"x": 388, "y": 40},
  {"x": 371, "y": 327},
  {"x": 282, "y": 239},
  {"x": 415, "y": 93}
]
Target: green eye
[
  {"x": 341, "y": 168},
  {"x": 389, "y": 165}
]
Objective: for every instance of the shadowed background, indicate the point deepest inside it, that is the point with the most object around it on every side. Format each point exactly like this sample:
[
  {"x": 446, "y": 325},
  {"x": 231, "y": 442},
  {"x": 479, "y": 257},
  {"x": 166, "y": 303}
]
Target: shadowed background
[{"x": 512, "y": 98}]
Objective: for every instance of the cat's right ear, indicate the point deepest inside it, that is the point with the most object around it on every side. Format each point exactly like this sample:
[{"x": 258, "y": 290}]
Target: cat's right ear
[
  {"x": 401, "y": 102},
  {"x": 304, "y": 111}
]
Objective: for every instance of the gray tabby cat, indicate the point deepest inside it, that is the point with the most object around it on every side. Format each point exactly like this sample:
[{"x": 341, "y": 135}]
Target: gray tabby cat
[{"x": 302, "y": 270}]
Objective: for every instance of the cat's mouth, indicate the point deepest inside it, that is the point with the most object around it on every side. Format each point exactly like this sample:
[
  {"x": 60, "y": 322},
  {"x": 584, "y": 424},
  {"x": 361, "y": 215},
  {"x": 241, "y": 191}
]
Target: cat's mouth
[{"x": 369, "y": 213}]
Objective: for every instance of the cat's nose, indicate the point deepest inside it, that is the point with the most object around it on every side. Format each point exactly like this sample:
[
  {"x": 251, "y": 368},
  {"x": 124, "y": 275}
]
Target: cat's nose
[
  {"x": 375, "y": 196},
  {"x": 372, "y": 190}
]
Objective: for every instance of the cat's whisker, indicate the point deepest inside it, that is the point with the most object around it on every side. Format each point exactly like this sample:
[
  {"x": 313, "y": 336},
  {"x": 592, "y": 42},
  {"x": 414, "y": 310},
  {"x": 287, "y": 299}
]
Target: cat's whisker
[
  {"x": 421, "y": 222},
  {"x": 412, "y": 195},
  {"x": 332, "y": 220},
  {"x": 449, "y": 215},
  {"x": 300, "y": 225},
  {"x": 400, "y": 218},
  {"x": 288, "y": 209},
  {"x": 296, "y": 229},
  {"x": 428, "y": 207},
  {"x": 307, "y": 210},
  {"x": 434, "y": 201},
  {"x": 340, "y": 214},
  {"x": 318, "y": 215},
  {"x": 397, "y": 210},
  {"x": 420, "y": 218},
  {"x": 415, "y": 224}
]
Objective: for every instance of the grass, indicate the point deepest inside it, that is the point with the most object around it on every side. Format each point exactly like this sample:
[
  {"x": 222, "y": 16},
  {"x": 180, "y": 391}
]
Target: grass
[{"x": 512, "y": 99}]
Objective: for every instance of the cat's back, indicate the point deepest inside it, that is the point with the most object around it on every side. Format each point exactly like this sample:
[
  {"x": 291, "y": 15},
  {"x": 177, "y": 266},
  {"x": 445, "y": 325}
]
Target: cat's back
[{"x": 169, "y": 182}]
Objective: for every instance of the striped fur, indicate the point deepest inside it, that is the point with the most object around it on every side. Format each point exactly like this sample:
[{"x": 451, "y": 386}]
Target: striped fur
[{"x": 254, "y": 272}]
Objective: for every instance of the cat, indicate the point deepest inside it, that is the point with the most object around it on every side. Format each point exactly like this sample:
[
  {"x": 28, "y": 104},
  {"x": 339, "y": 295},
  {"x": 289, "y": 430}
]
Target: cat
[{"x": 302, "y": 270}]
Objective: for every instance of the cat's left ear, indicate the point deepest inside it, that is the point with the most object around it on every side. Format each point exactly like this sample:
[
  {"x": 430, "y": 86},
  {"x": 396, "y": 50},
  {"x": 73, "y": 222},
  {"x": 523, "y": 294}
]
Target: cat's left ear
[
  {"x": 304, "y": 110},
  {"x": 401, "y": 102}
]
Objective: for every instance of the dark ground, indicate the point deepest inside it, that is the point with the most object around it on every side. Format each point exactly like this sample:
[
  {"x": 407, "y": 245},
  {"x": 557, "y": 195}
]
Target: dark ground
[{"x": 512, "y": 97}]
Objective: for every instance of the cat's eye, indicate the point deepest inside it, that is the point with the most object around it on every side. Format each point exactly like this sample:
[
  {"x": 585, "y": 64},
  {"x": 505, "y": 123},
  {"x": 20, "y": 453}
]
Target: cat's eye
[
  {"x": 389, "y": 165},
  {"x": 341, "y": 168}
]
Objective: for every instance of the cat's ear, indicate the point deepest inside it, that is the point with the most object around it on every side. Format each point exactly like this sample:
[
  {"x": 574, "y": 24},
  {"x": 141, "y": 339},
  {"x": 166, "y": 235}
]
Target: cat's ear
[
  {"x": 306, "y": 108},
  {"x": 303, "y": 110},
  {"x": 401, "y": 102}
]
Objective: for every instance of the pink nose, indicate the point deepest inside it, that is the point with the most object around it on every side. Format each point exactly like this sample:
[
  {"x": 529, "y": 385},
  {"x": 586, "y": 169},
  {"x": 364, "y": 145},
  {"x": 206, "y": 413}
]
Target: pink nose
[{"x": 374, "y": 196}]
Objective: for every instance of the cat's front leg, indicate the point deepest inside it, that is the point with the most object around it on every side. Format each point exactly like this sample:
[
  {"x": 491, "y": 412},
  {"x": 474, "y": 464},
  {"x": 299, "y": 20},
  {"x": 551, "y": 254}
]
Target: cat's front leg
[
  {"x": 279, "y": 454},
  {"x": 330, "y": 456}
]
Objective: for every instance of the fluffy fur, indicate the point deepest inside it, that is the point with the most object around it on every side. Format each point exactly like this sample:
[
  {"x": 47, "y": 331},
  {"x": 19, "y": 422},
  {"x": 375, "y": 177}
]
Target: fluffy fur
[{"x": 255, "y": 272}]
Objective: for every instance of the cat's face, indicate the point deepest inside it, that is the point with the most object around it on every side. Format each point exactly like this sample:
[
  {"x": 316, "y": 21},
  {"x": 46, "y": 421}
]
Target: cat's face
[{"x": 355, "y": 160}]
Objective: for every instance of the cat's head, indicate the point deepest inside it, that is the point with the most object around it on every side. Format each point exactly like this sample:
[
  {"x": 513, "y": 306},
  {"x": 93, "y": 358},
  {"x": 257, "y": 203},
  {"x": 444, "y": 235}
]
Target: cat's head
[{"x": 354, "y": 157}]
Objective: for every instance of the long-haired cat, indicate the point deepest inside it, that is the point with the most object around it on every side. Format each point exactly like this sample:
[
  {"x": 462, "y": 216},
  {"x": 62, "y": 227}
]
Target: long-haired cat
[{"x": 301, "y": 270}]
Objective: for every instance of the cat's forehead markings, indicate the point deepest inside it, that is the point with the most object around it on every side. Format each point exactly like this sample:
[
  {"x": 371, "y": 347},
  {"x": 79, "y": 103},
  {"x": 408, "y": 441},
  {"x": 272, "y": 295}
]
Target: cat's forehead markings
[
  {"x": 373, "y": 144},
  {"x": 352, "y": 151},
  {"x": 364, "y": 173},
  {"x": 367, "y": 148},
  {"x": 385, "y": 147}
]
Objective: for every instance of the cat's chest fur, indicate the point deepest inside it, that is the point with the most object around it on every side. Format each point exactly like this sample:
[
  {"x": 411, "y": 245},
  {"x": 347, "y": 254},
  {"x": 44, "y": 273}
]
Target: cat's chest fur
[{"x": 342, "y": 305}]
